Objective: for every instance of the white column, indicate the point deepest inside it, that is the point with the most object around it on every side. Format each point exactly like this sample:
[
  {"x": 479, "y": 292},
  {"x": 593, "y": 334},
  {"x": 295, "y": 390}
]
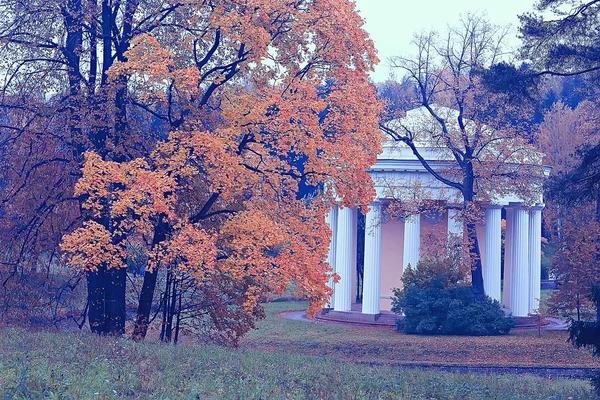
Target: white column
[
  {"x": 492, "y": 278},
  {"x": 519, "y": 285},
  {"x": 331, "y": 220},
  {"x": 508, "y": 242},
  {"x": 344, "y": 258},
  {"x": 455, "y": 227},
  {"x": 372, "y": 272},
  {"x": 535, "y": 256},
  {"x": 412, "y": 241},
  {"x": 354, "y": 291}
]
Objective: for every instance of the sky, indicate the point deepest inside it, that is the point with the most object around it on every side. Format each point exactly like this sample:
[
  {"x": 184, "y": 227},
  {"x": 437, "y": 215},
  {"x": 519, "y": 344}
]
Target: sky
[{"x": 392, "y": 23}]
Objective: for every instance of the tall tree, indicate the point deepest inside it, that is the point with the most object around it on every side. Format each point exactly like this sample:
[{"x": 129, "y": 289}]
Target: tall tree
[
  {"x": 564, "y": 131},
  {"x": 481, "y": 131},
  {"x": 567, "y": 44},
  {"x": 186, "y": 118},
  {"x": 574, "y": 262}
]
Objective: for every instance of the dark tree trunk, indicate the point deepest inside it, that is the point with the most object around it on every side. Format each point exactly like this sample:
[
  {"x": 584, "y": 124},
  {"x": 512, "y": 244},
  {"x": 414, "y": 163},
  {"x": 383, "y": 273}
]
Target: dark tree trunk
[
  {"x": 73, "y": 23},
  {"x": 115, "y": 301},
  {"x": 360, "y": 257},
  {"x": 96, "y": 281},
  {"x": 178, "y": 323},
  {"x": 171, "y": 313},
  {"x": 148, "y": 287},
  {"x": 96, "y": 295},
  {"x": 474, "y": 251},
  {"x": 145, "y": 305},
  {"x": 72, "y": 51},
  {"x": 477, "y": 268},
  {"x": 169, "y": 308},
  {"x": 74, "y": 40},
  {"x": 114, "y": 280},
  {"x": 165, "y": 306},
  {"x": 107, "y": 24}
]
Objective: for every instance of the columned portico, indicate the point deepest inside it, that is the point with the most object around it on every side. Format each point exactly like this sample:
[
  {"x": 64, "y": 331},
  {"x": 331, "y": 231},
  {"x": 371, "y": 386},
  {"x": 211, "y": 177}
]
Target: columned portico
[{"x": 522, "y": 255}]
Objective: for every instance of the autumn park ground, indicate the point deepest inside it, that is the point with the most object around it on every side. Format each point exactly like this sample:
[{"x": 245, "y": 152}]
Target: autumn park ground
[{"x": 293, "y": 359}]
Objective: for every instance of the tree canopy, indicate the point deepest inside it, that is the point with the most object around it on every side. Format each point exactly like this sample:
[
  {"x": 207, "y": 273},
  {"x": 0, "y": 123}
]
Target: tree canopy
[{"x": 185, "y": 128}]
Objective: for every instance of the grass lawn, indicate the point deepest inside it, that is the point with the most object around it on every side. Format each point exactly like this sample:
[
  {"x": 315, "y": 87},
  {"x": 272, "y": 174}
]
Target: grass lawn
[
  {"x": 282, "y": 360},
  {"x": 385, "y": 345}
]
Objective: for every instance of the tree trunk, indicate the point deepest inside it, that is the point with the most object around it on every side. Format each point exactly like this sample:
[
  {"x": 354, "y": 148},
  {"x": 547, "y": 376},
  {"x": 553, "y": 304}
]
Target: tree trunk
[
  {"x": 476, "y": 267},
  {"x": 165, "y": 306},
  {"x": 474, "y": 251},
  {"x": 115, "y": 301},
  {"x": 96, "y": 296},
  {"x": 145, "y": 305},
  {"x": 149, "y": 286},
  {"x": 171, "y": 312},
  {"x": 178, "y": 323},
  {"x": 578, "y": 307}
]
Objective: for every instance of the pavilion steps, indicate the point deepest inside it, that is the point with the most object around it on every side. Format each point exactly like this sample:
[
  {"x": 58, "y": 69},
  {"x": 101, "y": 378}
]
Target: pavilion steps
[{"x": 388, "y": 318}]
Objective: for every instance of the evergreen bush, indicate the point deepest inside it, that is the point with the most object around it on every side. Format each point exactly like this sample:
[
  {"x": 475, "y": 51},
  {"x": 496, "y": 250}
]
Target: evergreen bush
[{"x": 436, "y": 301}]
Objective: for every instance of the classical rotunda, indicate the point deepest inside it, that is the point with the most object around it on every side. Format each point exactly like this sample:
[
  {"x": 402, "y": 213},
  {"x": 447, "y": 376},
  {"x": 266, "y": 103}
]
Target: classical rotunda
[{"x": 391, "y": 244}]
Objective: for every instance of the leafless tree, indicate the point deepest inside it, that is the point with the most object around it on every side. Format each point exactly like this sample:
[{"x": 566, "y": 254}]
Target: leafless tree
[{"x": 478, "y": 129}]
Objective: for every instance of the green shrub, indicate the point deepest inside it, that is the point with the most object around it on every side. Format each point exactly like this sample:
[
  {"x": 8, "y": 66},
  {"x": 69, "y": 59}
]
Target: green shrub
[
  {"x": 447, "y": 270},
  {"x": 446, "y": 306}
]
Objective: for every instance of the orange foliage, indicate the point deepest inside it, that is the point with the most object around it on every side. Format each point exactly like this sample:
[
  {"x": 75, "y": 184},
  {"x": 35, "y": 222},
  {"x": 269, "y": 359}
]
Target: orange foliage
[
  {"x": 561, "y": 134},
  {"x": 575, "y": 263},
  {"x": 226, "y": 179},
  {"x": 564, "y": 130}
]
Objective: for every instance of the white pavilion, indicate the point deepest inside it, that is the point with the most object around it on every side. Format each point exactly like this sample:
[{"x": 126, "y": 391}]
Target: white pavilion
[{"x": 391, "y": 244}]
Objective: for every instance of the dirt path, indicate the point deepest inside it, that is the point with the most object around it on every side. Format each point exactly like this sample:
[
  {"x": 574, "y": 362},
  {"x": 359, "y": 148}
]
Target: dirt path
[
  {"x": 549, "y": 372},
  {"x": 554, "y": 324}
]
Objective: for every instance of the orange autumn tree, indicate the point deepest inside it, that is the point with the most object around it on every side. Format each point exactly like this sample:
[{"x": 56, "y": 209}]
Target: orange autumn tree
[
  {"x": 563, "y": 132},
  {"x": 574, "y": 264},
  {"x": 572, "y": 223},
  {"x": 260, "y": 99}
]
